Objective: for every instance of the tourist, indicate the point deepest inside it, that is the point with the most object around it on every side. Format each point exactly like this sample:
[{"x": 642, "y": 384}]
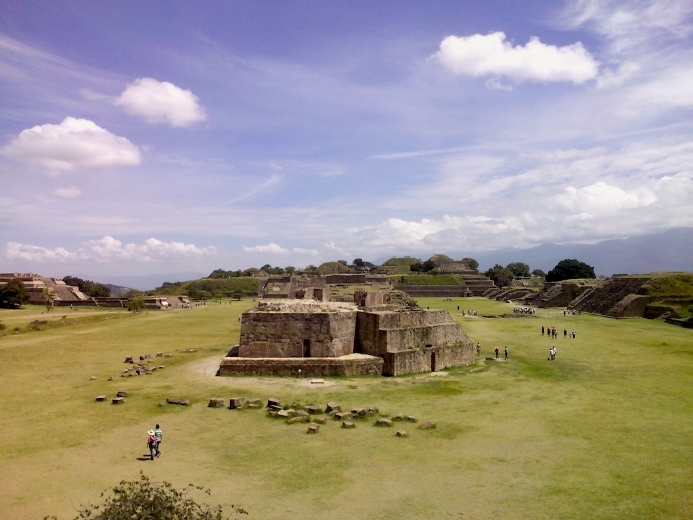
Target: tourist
[
  {"x": 542, "y": 330},
  {"x": 496, "y": 351},
  {"x": 565, "y": 333},
  {"x": 159, "y": 437},
  {"x": 478, "y": 348},
  {"x": 574, "y": 333},
  {"x": 151, "y": 443},
  {"x": 506, "y": 353},
  {"x": 553, "y": 353}
]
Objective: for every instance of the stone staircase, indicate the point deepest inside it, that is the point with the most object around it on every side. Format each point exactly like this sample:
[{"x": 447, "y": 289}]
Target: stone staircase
[{"x": 611, "y": 298}]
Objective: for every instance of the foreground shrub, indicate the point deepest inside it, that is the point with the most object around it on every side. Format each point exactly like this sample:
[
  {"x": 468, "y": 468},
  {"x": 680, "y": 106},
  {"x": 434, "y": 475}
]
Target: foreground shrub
[{"x": 146, "y": 500}]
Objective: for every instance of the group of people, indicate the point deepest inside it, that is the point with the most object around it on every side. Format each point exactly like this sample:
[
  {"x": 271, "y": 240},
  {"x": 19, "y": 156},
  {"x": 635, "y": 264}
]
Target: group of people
[
  {"x": 524, "y": 310},
  {"x": 551, "y": 332},
  {"x": 505, "y": 351},
  {"x": 570, "y": 312},
  {"x": 154, "y": 438},
  {"x": 468, "y": 312}
]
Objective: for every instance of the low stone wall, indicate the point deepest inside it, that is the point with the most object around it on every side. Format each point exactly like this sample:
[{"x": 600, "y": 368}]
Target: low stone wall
[
  {"x": 309, "y": 367},
  {"x": 422, "y": 360},
  {"x": 444, "y": 291}
]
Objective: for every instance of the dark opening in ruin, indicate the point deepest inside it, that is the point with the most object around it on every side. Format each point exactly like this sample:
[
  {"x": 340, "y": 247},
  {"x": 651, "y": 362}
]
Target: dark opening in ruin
[
  {"x": 433, "y": 361},
  {"x": 306, "y": 348}
]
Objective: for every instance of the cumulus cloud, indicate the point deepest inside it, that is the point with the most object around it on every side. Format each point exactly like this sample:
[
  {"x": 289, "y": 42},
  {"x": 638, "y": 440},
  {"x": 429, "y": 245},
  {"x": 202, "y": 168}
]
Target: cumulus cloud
[
  {"x": 108, "y": 249},
  {"x": 161, "y": 102},
  {"x": 276, "y": 249},
  {"x": 71, "y": 145},
  {"x": 483, "y": 55},
  {"x": 71, "y": 192}
]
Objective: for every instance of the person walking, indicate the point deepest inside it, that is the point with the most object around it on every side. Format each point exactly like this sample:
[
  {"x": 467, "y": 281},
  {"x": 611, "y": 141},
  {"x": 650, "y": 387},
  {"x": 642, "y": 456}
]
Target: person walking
[
  {"x": 505, "y": 350},
  {"x": 496, "y": 351},
  {"x": 478, "y": 348},
  {"x": 159, "y": 437},
  {"x": 151, "y": 443}
]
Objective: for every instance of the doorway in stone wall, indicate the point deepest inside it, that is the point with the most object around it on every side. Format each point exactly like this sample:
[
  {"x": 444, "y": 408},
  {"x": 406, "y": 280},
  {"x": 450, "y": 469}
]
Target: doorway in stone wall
[
  {"x": 306, "y": 348},
  {"x": 433, "y": 361}
]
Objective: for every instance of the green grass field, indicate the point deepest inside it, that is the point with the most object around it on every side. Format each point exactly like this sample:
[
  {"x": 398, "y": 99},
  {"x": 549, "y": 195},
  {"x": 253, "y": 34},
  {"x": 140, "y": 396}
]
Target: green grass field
[{"x": 605, "y": 431}]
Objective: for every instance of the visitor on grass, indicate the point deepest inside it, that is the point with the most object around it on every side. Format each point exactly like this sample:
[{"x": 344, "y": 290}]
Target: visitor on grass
[
  {"x": 159, "y": 437},
  {"x": 151, "y": 443},
  {"x": 496, "y": 351},
  {"x": 506, "y": 353}
]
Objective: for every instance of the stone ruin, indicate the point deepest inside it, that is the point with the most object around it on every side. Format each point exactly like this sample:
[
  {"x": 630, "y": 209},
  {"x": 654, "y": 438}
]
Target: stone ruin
[{"x": 377, "y": 334}]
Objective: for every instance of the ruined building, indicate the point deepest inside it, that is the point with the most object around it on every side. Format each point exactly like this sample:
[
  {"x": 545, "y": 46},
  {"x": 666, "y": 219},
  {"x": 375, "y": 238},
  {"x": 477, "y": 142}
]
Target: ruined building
[{"x": 379, "y": 333}]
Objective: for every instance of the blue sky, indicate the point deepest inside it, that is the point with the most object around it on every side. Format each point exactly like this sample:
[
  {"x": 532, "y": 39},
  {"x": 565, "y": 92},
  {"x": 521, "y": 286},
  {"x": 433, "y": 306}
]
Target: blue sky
[{"x": 144, "y": 137}]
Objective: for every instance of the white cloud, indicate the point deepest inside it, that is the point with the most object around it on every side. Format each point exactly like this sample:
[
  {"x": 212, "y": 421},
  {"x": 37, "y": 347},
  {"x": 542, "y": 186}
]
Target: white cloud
[
  {"x": 615, "y": 78},
  {"x": 108, "y": 249},
  {"x": 276, "y": 249},
  {"x": 73, "y": 144},
  {"x": 71, "y": 192},
  {"x": 482, "y": 55},
  {"x": 161, "y": 102}
]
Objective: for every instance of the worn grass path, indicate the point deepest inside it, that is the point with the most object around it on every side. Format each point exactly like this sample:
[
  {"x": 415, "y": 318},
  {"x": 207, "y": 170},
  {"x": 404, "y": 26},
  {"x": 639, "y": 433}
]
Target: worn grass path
[{"x": 605, "y": 431}]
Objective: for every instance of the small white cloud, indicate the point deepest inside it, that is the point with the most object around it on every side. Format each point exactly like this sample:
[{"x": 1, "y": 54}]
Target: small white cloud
[
  {"x": 482, "y": 55},
  {"x": 71, "y": 192},
  {"x": 108, "y": 249},
  {"x": 71, "y": 145},
  {"x": 271, "y": 248},
  {"x": 600, "y": 199},
  {"x": 161, "y": 102},
  {"x": 615, "y": 78}
]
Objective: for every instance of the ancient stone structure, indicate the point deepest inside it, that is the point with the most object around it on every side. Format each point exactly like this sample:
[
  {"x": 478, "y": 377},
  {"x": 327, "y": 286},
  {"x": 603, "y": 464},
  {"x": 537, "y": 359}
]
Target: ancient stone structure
[{"x": 384, "y": 334}]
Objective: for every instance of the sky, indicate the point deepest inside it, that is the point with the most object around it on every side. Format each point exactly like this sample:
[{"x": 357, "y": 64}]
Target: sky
[{"x": 141, "y": 137}]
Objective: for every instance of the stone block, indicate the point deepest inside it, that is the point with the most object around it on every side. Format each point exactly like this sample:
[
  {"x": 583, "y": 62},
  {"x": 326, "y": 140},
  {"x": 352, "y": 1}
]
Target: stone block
[
  {"x": 185, "y": 403},
  {"x": 300, "y": 413},
  {"x": 401, "y": 433},
  {"x": 237, "y": 403},
  {"x": 128, "y": 359},
  {"x": 254, "y": 403},
  {"x": 428, "y": 425},
  {"x": 216, "y": 402},
  {"x": 383, "y": 423},
  {"x": 358, "y": 413},
  {"x": 110, "y": 378},
  {"x": 342, "y": 416},
  {"x": 314, "y": 410},
  {"x": 100, "y": 397},
  {"x": 298, "y": 419},
  {"x": 348, "y": 425},
  {"x": 173, "y": 400},
  {"x": 92, "y": 378},
  {"x": 372, "y": 410},
  {"x": 122, "y": 393},
  {"x": 313, "y": 428},
  {"x": 332, "y": 406},
  {"x": 411, "y": 418},
  {"x": 118, "y": 400},
  {"x": 398, "y": 417},
  {"x": 283, "y": 414},
  {"x": 320, "y": 419},
  {"x": 273, "y": 402}
]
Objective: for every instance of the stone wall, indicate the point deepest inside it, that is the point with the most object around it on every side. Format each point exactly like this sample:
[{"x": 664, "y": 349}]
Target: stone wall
[
  {"x": 444, "y": 291},
  {"x": 297, "y": 334},
  {"x": 309, "y": 367},
  {"x": 434, "y": 359},
  {"x": 345, "y": 279}
]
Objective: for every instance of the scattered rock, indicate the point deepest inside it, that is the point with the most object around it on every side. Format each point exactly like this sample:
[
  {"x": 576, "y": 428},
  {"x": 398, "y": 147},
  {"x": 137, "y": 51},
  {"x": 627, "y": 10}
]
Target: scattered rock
[
  {"x": 122, "y": 393},
  {"x": 428, "y": 425},
  {"x": 185, "y": 403},
  {"x": 100, "y": 397},
  {"x": 398, "y": 417},
  {"x": 159, "y": 354},
  {"x": 173, "y": 400},
  {"x": 314, "y": 410},
  {"x": 317, "y": 382},
  {"x": 411, "y": 418},
  {"x": 168, "y": 355},
  {"x": 128, "y": 359},
  {"x": 358, "y": 413},
  {"x": 342, "y": 416},
  {"x": 300, "y": 413},
  {"x": 401, "y": 433},
  {"x": 313, "y": 428},
  {"x": 283, "y": 414},
  {"x": 161, "y": 367},
  {"x": 333, "y": 407},
  {"x": 163, "y": 403},
  {"x": 372, "y": 410},
  {"x": 118, "y": 400},
  {"x": 297, "y": 406},
  {"x": 110, "y": 378},
  {"x": 298, "y": 419},
  {"x": 320, "y": 419},
  {"x": 273, "y": 402},
  {"x": 92, "y": 377},
  {"x": 254, "y": 403},
  {"x": 348, "y": 424},
  {"x": 236, "y": 403},
  {"x": 216, "y": 402},
  {"x": 383, "y": 422}
]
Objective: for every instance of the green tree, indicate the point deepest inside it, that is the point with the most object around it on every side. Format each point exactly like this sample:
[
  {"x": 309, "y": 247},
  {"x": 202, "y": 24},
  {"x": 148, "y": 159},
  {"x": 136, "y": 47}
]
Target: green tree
[
  {"x": 136, "y": 304},
  {"x": 146, "y": 500},
  {"x": 358, "y": 262},
  {"x": 570, "y": 269},
  {"x": 539, "y": 273},
  {"x": 471, "y": 262},
  {"x": 501, "y": 277},
  {"x": 519, "y": 269},
  {"x": 289, "y": 269},
  {"x": 91, "y": 289},
  {"x": 13, "y": 294},
  {"x": 416, "y": 267}
]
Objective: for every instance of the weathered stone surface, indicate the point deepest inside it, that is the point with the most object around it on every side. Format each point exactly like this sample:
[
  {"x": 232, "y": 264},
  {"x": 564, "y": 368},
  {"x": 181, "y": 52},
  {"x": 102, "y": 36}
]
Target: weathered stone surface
[
  {"x": 398, "y": 417},
  {"x": 300, "y": 413},
  {"x": 122, "y": 393},
  {"x": 314, "y": 409},
  {"x": 383, "y": 422},
  {"x": 313, "y": 428},
  {"x": 173, "y": 400},
  {"x": 128, "y": 359},
  {"x": 298, "y": 419},
  {"x": 118, "y": 400},
  {"x": 332, "y": 406},
  {"x": 163, "y": 403},
  {"x": 159, "y": 354},
  {"x": 348, "y": 424},
  {"x": 272, "y": 402},
  {"x": 320, "y": 419},
  {"x": 254, "y": 403},
  {"x": 283, "y": 414},
  {"x": 185, "y": 403},
  {"x": 110, "y": 378},
  {"x": 411, "y": 418},
  {"x": 342, "y": 416},
  {"x": 216, "y": 402},
  {"x": 401, "y": 433},
  {"x": 428, "y": 425},
  {"x": 358, "y": 413},
  {"x": 100, "y": 397},
  {"x": 372, "y": 410},
  {"x": 236, "y": 403}
]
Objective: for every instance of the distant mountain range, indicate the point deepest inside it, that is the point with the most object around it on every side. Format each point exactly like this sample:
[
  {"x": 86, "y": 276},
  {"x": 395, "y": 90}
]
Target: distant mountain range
[
  {"x": 668, "y": 251},
  {"x": 147, "y": 282}
]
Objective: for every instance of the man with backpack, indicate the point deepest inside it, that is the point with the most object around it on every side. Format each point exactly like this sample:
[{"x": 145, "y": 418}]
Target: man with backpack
[{"x": 152, "y": 444}]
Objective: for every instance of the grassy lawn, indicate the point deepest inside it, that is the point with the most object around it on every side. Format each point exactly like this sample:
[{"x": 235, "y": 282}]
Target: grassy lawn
[{"x": 605, "y": 431}]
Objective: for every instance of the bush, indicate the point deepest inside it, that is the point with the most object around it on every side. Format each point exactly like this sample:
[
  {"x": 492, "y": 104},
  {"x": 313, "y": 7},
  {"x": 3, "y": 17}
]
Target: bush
[
  {"x": 146, "y": 500},
  {"x": 570, "y": 270}
]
